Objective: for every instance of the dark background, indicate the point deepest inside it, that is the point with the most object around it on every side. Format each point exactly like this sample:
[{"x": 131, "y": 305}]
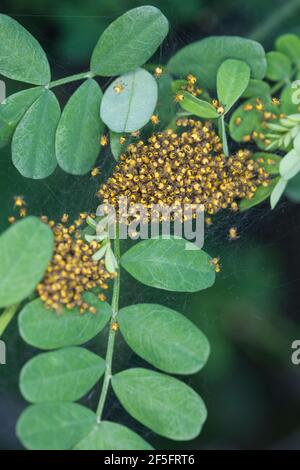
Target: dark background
[{"x": 251, "y": 315}]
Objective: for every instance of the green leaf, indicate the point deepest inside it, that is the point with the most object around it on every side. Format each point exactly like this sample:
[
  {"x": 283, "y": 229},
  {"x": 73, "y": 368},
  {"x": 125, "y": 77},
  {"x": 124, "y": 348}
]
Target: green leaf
[
  {"x": 166, "y": 106},
  {"x": 33, "y": 144},
  {"x": 45, "y": 329},
  {"x": 261, "y": 194},
  {"x": 198, "y": 107},
  {"x": 178, "y": 85},
  {"x": 269, "y": 161},
  {"x": 232, "y": 80},
  {"x": 279, "y": 66},
  {"x": 112, "y": 436},
  {"x": 63, "y": 375},
  {"x": 25, "y": 251},
  {"x": 13, "y": 109},
  {"x": 21, "y": 56},
  {"x": 257, "y": 89},
  {"x": 278, "y": 192},
  {"x": 129, "y": 41},
  {"x": 121, "y": 110},
  {"x": 290, "y": 165},
  {"x": 165, "y": 338},
  {"x": 115, "y": 146},
  {"x": 79, "y": 130},
  {"x": 171, "y": 264},
  {"x": 289, "y": 44},
  {"x": 54, "y": 426},
  {"x": 164, "y": 404},
  {"x": 203, "y": 58}
]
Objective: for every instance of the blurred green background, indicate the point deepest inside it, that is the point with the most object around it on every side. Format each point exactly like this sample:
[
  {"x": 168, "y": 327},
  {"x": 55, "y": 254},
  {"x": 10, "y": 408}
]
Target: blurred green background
[{"x": 251, "y": 315}]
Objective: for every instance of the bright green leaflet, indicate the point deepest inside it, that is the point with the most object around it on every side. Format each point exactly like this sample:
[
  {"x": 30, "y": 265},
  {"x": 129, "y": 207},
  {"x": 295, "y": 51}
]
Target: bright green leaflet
[
  {"x": 25, "y": 251},
  {"x": 33, "y": 144},
  {"x": 13, "y": 109},
  {"x": 279, "y": 66},
  {"x": 232, "y": 80},
  {"x": 160, "y": 402},
  {"x": 63, "y": 375},
  {"x": 45, "y": 329},
  {"x": 122, "y": 111},
  {"x": 112, "y": 436},
  {"x": 78, "y": 134},
  {"x": 290, "y": 165},
  {"x": 203, "y": 58},
  {"x": 168, "y": 265},
  {"x": 129, "y": 41},
  {"x": 278, "y": 192},
  {"x": 257, "y": 88},
  {"x": 289, "y": 44},
  {"x": 21, "y": 56},
  {"x": 54, "y": 426},
  {"x": 165, "y": 338},
  {"x": 198, "y": 107},
  {"x": 261, "y": 194}
]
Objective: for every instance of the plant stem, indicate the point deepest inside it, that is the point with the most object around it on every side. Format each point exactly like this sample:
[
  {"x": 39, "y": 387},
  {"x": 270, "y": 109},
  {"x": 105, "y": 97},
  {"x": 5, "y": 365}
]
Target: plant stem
[
  {"x": 71, "y": 78},
  {"x": 6, "y": 317},
  {"x": 273, "y": 21},
  {"x": 277, "y": 86},
  {"x": 112, "y": 334},
  {"x": 223, "y": 135}
]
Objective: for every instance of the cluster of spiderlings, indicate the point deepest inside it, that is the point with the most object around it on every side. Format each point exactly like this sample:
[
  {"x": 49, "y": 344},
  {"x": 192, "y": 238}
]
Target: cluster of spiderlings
[
  {"x": 72, "y": 270},
  {"x": 265, "y": 115},
  {"x": 20, "y": 206},
  {"x": 190, "y": 86},
  {"x": 186, "y": 168}
]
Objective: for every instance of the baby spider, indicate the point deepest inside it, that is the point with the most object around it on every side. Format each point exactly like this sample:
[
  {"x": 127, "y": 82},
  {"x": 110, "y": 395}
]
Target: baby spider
[
  {"x": 95, "y": 172},
  {"x": 115, "y": 326},
  {"x": 232, "y": 234},
  {"x": 158, "y": 72},
  {"x": 119, "y": 87},
  {"x": 216, "y": 263},
  {"x": 19, "y": 201},
  {"x": 65, "y": 218},
  {"x": 103, "y": 140},
  {"x": 154, "y": 119},
  {"x": 179, "y": 97},
  {"x": 23, "y": 212}
]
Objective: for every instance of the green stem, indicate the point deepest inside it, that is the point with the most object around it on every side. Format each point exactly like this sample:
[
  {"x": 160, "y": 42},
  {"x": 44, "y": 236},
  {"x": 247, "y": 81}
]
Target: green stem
[
  {"x": 71, "y": 78},
  {"x": 274, "y": 20},
  {"x": 6, "y": 317},
  {"x": 112, "y": 335},
  {"x": 277, "y": 86},
  {"x": 223, "y": 135}
]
